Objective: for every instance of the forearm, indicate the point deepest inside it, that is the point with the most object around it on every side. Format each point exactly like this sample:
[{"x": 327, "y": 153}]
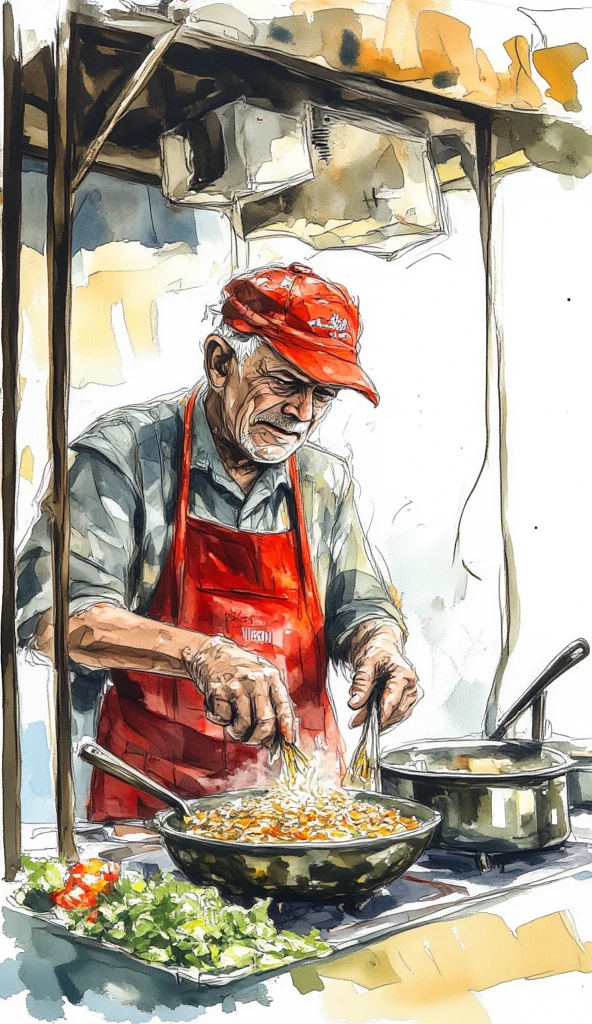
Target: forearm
[
  {"x": 107, "y": 636},
  {"x": 242, "y": 691}
]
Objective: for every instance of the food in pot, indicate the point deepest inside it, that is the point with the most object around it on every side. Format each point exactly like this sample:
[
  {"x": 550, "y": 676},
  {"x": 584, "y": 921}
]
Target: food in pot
[
  {"x": 495, "y": 765},
  {"x": 289, "y": 816}
]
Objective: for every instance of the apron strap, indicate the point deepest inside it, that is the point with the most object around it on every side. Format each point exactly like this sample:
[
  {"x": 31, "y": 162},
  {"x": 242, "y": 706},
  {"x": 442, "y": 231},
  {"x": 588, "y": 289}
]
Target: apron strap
[
  {"x": 182, "y": 507},
  {"x": 308, "y": 579}
]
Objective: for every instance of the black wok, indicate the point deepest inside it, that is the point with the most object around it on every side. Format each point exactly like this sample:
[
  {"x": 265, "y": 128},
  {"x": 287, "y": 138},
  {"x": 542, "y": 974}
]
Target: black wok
[{"x": 287, "y": 871}]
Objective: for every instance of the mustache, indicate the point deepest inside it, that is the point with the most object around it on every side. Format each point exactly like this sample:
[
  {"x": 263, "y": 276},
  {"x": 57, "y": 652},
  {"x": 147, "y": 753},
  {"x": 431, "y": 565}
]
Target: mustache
[{"x": 279, "y": 419}]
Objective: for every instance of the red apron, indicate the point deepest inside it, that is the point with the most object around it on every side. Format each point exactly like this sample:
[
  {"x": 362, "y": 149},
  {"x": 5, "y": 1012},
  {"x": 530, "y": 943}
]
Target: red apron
[{"x": 259, "y": 590}]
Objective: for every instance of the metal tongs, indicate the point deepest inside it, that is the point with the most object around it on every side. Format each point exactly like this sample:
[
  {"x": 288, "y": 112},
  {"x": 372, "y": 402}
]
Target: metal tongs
[
  {"x": 294, "y": 761},
  {"x": 364, "y": 768}
]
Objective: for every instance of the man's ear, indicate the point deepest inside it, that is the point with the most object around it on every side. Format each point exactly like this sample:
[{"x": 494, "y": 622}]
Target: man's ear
[{"x": 218, "y": 356}]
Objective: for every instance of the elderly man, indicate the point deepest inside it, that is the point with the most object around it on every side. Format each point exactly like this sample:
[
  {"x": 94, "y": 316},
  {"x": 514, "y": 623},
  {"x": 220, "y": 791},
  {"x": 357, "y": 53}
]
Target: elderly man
[{"x": 217, "y": 559}]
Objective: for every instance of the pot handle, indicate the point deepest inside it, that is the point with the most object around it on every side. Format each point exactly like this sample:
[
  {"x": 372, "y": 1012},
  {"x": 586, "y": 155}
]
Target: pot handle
[
  {"x": 576, "y": 651},
  {"x": 96, "y": 755}
]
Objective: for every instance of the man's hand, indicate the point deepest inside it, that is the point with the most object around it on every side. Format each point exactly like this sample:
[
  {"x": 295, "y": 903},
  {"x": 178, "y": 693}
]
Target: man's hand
[
  {"x": 242, "y": 691},
  {"x": 376, "y": 656}
]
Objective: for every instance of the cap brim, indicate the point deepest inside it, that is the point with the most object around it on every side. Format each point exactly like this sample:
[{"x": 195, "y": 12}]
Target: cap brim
[{"x": 327, "y": 369}]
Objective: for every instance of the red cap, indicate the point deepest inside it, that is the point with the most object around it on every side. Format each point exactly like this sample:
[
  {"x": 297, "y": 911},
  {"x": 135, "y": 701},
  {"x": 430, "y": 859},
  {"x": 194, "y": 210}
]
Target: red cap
[{"x": 312, "y": 323}]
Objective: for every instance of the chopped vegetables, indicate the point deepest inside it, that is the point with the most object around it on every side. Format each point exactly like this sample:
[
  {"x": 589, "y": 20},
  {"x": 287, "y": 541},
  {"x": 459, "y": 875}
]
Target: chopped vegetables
[
  {"x": 84, "y": 884},
  {"x": 298, "y": 815},
  {"x": 162, "y": 920}
]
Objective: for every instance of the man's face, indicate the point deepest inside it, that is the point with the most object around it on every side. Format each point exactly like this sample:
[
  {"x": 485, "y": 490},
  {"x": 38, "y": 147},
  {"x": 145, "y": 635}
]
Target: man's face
[{"x": 269, "y": 407}]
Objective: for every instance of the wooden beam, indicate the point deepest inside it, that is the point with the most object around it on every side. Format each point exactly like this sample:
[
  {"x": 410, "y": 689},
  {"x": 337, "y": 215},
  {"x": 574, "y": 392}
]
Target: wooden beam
[
  {"x": 11, "y": 254},
  {"x": 124, "y": 101},
  {"x": 59, "y": 251}
]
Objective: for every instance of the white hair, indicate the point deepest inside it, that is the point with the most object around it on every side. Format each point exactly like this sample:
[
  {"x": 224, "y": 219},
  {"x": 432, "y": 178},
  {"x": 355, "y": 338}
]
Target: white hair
[{"x": 243, "y": 345}]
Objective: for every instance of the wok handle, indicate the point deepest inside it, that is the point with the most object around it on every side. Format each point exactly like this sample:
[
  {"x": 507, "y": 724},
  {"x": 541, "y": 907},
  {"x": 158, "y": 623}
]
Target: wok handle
[
  {"x": 96, "y": 755},
  {"x": 576, "y": 651}
]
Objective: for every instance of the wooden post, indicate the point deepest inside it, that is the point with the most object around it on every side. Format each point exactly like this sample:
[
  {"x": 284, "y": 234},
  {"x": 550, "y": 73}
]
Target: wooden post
[
  {"x": 61, "y": 95},
  {"x": 496, "y": 412},
  {"x": 11, "y": 254}
]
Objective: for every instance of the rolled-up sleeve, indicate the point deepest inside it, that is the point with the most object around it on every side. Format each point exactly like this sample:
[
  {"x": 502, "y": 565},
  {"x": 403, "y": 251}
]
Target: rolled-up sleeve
[
  {"x": 103, "y": 544},
  {"x": 356, "y": 589}
]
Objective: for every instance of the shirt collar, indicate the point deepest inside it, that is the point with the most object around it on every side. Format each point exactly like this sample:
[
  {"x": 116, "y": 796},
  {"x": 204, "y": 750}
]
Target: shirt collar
[{"x": 204, "y": 456}]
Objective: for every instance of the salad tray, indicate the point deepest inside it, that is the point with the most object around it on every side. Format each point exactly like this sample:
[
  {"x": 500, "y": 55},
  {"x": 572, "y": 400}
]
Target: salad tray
[{"x": 180, "y": 974}]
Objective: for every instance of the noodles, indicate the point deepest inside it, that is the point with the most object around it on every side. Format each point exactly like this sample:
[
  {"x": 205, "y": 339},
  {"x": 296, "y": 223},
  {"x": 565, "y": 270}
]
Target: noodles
[{"x": 298, "y": 815}]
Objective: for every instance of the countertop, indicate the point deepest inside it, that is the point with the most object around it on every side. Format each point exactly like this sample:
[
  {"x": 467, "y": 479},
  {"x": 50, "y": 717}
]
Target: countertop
[{"x": 525, "y": 956}]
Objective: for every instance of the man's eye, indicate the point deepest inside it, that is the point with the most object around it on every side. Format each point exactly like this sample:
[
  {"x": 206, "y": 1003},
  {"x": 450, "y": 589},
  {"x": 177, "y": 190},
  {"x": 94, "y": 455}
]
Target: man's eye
[
  {"x": 283, "y": 386},
  {"x": 324, "y": 396}
]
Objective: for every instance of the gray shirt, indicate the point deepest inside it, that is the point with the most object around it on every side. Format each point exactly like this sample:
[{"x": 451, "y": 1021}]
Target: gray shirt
[{"x": 123, "y": 493}]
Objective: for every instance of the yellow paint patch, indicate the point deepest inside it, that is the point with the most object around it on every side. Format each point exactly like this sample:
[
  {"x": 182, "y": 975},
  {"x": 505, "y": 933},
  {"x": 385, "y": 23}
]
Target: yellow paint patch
[
  {"x": 134, "y": 276},
  {"x": 510, "y": 162},
  {"x": 517, "y": 89},
  {"x": 396, "y": 597},
  {"x": 34, "y": 301},
  {"x": 450, "y": 171},
  {"x": 27, "y": 466},
  {"x": 429, "y": 974},
  {"x": 20, "y": 390},
  {"x": 556, "y": 64}
]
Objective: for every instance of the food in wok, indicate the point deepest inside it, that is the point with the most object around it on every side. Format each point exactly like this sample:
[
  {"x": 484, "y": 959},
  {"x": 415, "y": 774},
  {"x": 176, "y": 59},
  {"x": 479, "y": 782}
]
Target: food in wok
[
  {"x": 286, "y": 870},
  {"x": 298, "y": 815}
]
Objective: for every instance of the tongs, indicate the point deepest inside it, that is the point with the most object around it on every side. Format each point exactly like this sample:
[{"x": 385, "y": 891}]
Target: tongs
[
  {"x": 294, "y": 761},
  {"x": 364, "y": 768}
]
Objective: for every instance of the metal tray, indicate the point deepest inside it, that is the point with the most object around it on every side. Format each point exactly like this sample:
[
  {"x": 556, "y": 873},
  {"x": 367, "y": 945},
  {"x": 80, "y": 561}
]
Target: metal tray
[{"x": 205, "y": 979}]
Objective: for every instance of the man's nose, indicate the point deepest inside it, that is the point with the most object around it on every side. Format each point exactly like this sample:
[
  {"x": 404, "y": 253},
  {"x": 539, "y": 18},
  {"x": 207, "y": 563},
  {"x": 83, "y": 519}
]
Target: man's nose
[{"x": 300, "y": 405}]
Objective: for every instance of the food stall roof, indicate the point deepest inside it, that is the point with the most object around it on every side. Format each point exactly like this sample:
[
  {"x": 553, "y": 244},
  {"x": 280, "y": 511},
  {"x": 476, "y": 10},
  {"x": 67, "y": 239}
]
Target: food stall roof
[{"x": 197, "y": 71}]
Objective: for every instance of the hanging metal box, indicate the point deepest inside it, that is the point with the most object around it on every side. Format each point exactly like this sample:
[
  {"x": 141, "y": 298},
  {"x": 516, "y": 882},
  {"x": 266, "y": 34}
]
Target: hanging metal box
[
  {"x": 236, "y": 153},
  {"x": 374, "y": 186}
]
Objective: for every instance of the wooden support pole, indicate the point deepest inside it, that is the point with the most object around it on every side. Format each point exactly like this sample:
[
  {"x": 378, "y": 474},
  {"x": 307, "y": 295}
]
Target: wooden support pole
[
  {"x": 59, "y": 251},
  {"x": 11, "y": 256},
  {"x": 496, "y": 411}
]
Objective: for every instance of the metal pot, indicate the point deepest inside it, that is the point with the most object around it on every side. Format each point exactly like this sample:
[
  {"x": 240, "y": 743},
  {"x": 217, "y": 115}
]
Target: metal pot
[
  {"x": 287, "y": 871},
  {"x": 525, "y": 808},
  {"x": 579, "y": 780}
]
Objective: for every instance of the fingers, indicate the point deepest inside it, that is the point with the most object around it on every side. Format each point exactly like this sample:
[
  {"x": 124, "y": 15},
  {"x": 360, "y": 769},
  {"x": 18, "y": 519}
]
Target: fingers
[
  {"x": 361, "y": 687},
  {"x": 218, "y": 707},
  {"x": 283, "y": 707},
  {"x": 398, "y": 697},
  {"x": 265, "y": 729},
  {"x": 243, "y": 692},
  {"x": 242, "y": 721},
  {"x": 400, "y": 693},
  {"x": 253, "y": 708}
]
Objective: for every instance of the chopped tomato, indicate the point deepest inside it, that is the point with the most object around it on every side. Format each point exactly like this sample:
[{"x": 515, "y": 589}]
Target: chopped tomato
[
  {"x": 85, "y": 882},
  {"x": 94, "y": 875},
  {"x": 92, "y": 917},
  {"x": 74, "y": 898},
  {"x": 110, "y": 871}
]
